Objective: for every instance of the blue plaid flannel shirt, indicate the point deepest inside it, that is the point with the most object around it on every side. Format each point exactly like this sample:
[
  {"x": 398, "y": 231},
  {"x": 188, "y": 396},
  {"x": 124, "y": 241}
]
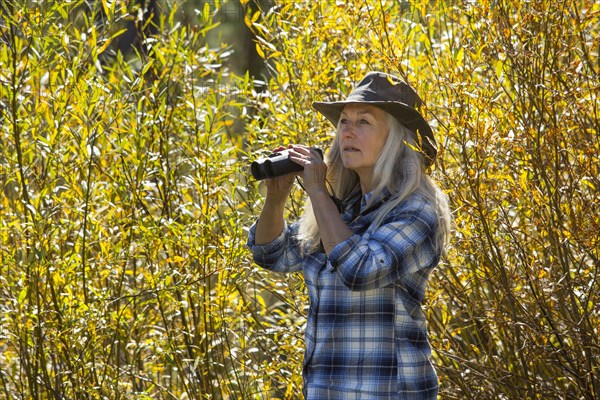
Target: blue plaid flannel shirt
[{"x": 366, "y": 335}]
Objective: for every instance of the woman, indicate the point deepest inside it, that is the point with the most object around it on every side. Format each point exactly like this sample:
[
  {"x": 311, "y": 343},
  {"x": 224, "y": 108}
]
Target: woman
[{"x": 366, "y": 266}]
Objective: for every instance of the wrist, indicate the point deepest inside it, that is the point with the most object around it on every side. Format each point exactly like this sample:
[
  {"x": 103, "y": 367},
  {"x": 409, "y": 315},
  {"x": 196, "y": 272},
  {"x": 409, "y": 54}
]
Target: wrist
[
  {"x": 319, "y": 194},
  {"x": 275, "y": 202}
]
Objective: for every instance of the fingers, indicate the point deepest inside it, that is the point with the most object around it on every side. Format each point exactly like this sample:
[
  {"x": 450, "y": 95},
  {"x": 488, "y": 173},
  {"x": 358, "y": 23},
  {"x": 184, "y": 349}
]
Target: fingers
[
  {"x": 305, "y": 153},
  {"x": 304, "y": 160},
  {"x": 316, "y": 154},
  {"x": 280, "y": 187},
  {"x": 278, "y": 149},
  {"x": 302, "y": 155}
]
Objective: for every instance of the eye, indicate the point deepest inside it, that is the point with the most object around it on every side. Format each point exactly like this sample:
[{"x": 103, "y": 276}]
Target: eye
[
  {"x": 343, "y": 121},
  {"x": 364, "y": 122}
]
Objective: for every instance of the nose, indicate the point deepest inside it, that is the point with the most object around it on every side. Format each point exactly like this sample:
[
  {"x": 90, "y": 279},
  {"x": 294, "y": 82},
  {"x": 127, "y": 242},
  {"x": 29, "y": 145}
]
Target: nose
[{"x": 347, "y": 130}]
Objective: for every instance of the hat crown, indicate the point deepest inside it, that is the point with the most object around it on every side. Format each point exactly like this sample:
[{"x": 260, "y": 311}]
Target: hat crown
[{"x": 378, "y": 86}]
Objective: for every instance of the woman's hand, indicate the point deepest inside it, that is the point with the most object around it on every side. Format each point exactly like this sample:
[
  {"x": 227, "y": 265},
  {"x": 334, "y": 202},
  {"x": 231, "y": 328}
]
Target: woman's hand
[
  {"x": 270, "y": 224},
  {"x": 332, "y": 228},
  {"x": 278, "y": 188},
  {"x": 315, "y": 169}
]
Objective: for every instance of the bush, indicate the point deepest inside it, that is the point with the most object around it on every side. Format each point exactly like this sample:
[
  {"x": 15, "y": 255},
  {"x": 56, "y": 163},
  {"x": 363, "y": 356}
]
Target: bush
[{"x": 122, "y": 250}]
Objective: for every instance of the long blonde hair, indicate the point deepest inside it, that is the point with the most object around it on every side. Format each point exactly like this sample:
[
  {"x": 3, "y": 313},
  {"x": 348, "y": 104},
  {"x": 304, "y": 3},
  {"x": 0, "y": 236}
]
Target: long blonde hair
[{"x": 399, "y": 169}]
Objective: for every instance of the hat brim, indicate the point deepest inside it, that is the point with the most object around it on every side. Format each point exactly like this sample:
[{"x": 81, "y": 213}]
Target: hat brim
[{"x": 408, "y": 116}]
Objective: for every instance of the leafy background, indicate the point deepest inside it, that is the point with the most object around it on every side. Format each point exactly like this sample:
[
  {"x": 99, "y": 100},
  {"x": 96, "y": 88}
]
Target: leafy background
[{"x": 126, "y": 130}]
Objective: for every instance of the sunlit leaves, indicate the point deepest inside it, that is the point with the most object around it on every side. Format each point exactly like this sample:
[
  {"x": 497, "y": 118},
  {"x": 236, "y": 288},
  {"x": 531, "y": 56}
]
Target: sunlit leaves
[{"x": 121, "y": 260}]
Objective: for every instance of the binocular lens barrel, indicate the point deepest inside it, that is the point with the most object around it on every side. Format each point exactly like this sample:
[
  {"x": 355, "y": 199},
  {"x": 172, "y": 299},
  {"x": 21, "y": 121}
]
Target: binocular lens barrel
[
  {"x": 276, "y": 164},
  {"x": 261, "y": 170}
]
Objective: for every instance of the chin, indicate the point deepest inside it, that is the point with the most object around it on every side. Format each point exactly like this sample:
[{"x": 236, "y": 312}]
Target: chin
[{"x": 347, "y": 165}]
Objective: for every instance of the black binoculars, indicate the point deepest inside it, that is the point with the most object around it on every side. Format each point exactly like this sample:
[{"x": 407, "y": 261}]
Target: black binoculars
[{"x": 276, "y": 164}]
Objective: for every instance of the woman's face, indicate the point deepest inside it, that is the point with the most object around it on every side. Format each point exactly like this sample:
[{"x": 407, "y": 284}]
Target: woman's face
[{"x": 362, "y": 133}]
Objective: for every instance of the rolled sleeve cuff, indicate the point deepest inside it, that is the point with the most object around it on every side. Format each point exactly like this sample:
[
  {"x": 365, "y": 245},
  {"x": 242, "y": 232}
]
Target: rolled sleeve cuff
[
  {"x": 342, "y": 251},
  {"x": 262, "y": 250}
]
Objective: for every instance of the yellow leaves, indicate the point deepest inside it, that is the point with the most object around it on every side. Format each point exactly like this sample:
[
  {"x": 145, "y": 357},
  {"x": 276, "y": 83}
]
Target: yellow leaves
[
  {"x": 523, "y": 181},
  {"x": 57, "y": 278},
  {"x": 587, "y": 181},
  {"x": 499, "y": 70},
  {"x": 108, "y": 7},
  {"x": 460, "y": 56},
  {"x": 445, "y": 315},
  {"x": 271, "y": 52},
  {"x": 260, "y": 51},
  {"x": 108, "y": 41},
  {"x": 22, "y": 296},
  {"x": 541, "y": 273},
  {"x": 175, "y": 260},
  {"x": 251, "y": 20}
]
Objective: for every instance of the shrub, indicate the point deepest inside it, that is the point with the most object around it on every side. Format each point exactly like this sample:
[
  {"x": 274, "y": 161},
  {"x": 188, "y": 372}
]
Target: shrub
[{"x": 122, "y": 252}]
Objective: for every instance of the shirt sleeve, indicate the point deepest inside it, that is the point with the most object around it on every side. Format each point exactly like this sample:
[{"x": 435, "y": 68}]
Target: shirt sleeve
[
  {"x": 281, "y": 255},
  {"x": 401, "y": 250}
]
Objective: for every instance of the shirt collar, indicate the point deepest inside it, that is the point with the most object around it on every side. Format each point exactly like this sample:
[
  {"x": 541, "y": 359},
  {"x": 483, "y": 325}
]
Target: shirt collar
[{"x": 368, "y": 202}]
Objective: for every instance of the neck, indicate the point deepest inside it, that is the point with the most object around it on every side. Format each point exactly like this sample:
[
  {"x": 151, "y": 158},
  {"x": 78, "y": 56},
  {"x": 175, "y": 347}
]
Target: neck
[
  {"x": 366, "y": 184},
  {"x": 366, "y": 181}
]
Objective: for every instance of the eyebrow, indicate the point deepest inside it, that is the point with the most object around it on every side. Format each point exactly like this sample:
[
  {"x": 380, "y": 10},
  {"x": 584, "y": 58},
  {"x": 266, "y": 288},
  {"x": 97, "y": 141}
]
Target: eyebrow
[{"x": 361, "y": 112}]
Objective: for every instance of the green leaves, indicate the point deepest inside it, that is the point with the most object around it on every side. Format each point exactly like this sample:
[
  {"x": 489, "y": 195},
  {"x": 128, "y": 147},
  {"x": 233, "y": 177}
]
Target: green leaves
[{"x": 122, "y": 241}]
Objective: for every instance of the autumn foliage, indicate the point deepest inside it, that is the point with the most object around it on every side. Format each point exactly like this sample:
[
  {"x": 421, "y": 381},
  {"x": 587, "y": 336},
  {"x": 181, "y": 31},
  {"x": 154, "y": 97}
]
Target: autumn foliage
[{"x": 125, "y": 192}]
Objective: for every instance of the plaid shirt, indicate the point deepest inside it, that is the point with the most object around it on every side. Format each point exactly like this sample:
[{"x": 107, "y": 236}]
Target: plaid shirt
[{"x": 366, "y": 336}]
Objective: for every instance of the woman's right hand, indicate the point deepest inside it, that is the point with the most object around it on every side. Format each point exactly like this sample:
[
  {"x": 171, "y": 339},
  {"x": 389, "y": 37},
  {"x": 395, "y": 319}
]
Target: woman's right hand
[
  {"x": 278, "y": 188},
  {"x": 270, "y": 224}
]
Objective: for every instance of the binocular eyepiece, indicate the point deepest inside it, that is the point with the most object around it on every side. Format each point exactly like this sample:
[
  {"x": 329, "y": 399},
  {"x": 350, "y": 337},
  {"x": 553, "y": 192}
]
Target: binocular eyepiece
[{"x": 276, "y": 164}]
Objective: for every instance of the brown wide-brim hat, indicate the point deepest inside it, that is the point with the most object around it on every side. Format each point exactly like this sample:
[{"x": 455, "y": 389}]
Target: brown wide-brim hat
[{"x": 393, "y": 95}]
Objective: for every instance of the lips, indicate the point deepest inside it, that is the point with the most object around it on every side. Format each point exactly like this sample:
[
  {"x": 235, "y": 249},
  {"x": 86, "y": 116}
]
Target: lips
[{"x": 350, "y": 148}]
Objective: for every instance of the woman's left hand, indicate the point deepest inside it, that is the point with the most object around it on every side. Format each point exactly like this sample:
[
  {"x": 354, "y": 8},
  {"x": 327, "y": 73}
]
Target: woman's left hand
[
  {"x": 315, "y": 169},
  {"x": 332, "y": 228}
]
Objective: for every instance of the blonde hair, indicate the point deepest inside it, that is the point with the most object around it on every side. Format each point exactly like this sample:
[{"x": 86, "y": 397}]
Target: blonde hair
[{"x": 400, "y": 169}]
